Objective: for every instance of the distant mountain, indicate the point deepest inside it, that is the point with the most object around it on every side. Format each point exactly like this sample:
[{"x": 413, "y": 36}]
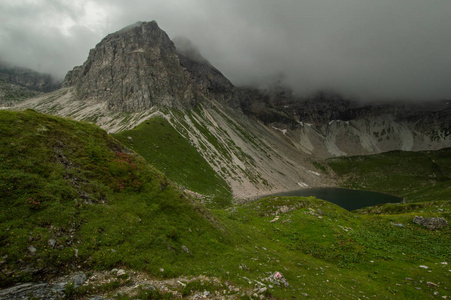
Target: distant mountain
[
  {"x": 326, "y": 124},
  {"x": 17, "y": 84}
]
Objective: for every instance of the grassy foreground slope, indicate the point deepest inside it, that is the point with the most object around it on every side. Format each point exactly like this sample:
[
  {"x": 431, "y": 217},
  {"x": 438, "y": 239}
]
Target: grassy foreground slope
[
  {"x": 415, "y": 176},
  {"x": 162, "y": 146},
  {"x": 73, "y": 198},
  {"x": 71, "y": 195},
  {"x": 325, "y": 251}
]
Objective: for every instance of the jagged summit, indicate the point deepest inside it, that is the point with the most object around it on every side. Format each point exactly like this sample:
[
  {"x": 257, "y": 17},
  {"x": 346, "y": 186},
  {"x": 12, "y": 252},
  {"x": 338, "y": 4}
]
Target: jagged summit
[
  {"x": 133, "y": 69},
  {"x": 138, "y": 67}
]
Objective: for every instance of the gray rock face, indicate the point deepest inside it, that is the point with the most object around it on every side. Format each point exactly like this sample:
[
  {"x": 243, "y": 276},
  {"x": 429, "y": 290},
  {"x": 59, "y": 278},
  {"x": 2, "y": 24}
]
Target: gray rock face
[
  {"x": 78, "y": 279},
  {"x": 201, "y": 71},
  {"x": 327, "y": 124},
  {"x": 431, "y": 223},
  {"x": 32, "y": 290},
  {"x": 138, "y": 67}
]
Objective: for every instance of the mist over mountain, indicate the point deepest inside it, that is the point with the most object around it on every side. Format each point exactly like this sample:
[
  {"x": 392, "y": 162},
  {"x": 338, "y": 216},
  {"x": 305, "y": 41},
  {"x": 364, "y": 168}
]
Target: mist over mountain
[{"x": 361, "y": 49}]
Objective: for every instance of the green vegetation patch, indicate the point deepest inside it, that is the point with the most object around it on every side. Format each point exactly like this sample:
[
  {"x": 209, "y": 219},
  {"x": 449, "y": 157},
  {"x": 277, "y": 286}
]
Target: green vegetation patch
[
  {"x": 72, "y": 195},
  {"x": 162, "y": 146},
  {"x": 415, "y": 176}
]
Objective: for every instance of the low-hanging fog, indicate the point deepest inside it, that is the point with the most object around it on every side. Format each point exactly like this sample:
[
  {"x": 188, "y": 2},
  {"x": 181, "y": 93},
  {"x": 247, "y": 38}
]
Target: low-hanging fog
[{"x": 365, "y": 49}]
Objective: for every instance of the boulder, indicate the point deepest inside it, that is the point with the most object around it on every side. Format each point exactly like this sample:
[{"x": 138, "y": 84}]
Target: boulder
[{"x": 431, "y": 223}]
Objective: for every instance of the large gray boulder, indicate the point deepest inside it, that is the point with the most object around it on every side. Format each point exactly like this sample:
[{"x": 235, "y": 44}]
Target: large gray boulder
[{"x": 430, "y": 223}]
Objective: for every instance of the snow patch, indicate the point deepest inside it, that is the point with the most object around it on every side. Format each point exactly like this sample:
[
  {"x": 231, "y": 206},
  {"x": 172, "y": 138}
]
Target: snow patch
[
  {"x": 314, "y": 173},
  {"x": 284, "y": 131}
]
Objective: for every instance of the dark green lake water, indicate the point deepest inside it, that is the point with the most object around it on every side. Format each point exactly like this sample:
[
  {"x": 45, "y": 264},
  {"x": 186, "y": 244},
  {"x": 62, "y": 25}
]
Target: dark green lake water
[{"x": 348, "y": 199}]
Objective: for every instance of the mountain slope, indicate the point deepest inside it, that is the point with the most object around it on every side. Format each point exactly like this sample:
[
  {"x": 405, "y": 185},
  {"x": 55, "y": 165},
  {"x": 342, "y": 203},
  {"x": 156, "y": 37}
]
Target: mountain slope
[
  {"x": 327, "y": 125},
  {"x": 163, "y": 147}
]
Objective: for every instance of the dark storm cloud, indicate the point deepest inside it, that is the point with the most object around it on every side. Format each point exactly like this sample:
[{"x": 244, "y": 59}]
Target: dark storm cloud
[{"x": 368, "y": 49}]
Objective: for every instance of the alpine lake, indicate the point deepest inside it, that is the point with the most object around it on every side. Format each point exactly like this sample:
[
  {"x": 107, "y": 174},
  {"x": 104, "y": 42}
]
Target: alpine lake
[{"x": 346, "y": 198}]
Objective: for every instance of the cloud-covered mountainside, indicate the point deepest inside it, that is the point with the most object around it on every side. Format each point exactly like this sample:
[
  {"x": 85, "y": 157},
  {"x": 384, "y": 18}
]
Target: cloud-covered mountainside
[{"x": 18, "y": 84}]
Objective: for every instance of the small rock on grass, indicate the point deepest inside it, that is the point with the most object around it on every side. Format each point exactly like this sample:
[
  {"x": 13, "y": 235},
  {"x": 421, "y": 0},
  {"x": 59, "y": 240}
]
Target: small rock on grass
[
  {"x": 32, "y": 249},
  {"x": 78, "y": 279},
  {"x": 278, "y": 279},
  {"x": 424, "y": 267}
]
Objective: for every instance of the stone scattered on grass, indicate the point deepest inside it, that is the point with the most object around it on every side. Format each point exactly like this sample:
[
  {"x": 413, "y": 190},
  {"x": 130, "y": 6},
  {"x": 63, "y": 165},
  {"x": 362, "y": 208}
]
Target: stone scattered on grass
[
  {"x": 78, "y": 279},
  {"x": 424, "y": 267},
  {"x": 278, "y": 278},
  {"x": 32, "y": 249},
  {"x": 52, "y": 243},
  {"x": 274, "y": 220},
  {"x": 430, "y": 223}
]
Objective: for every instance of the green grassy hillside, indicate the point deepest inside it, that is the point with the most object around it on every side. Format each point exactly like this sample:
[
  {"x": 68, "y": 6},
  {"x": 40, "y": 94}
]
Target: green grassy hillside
[
  {"x": 72, "y": 195},
  {"x": 74, "y": 198},
  {"x": 415, "y": 176},
  {"x": 162, "y": 146}
]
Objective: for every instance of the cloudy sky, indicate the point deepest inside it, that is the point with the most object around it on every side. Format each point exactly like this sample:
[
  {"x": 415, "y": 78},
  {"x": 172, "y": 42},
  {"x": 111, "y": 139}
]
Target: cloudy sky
[{"x": 384, "y": 49}]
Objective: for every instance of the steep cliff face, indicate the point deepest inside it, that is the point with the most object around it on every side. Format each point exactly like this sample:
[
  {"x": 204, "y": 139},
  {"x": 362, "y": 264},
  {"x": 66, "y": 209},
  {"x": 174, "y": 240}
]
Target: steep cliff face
[
  {"x": 134, "y": 69},
  {"x": 328, "y": 125},
  {"x": 203, "y": 74}
]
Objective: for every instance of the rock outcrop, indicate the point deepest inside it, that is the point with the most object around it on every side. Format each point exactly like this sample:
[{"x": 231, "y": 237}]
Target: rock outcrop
[
  {"x": 138, "y": 67},
  {"x": 431, "y": 223},
  {"x": 328, "y": 125}
]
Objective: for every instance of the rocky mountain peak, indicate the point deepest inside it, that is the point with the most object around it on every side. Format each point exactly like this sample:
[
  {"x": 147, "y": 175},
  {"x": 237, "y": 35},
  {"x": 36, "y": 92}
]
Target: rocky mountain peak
[
  {"x": 138, "y": 67},
  {"x": 134, "y": 69}
]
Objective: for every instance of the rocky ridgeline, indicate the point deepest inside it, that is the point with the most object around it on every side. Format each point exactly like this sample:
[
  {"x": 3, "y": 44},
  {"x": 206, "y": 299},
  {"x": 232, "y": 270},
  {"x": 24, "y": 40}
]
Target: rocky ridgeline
[
  {"x": 326, "y": 124},
  {"x": 17, "y": 84},
  {"x": 27, "y": 78},
  {"x": 138, "y": 67}
]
